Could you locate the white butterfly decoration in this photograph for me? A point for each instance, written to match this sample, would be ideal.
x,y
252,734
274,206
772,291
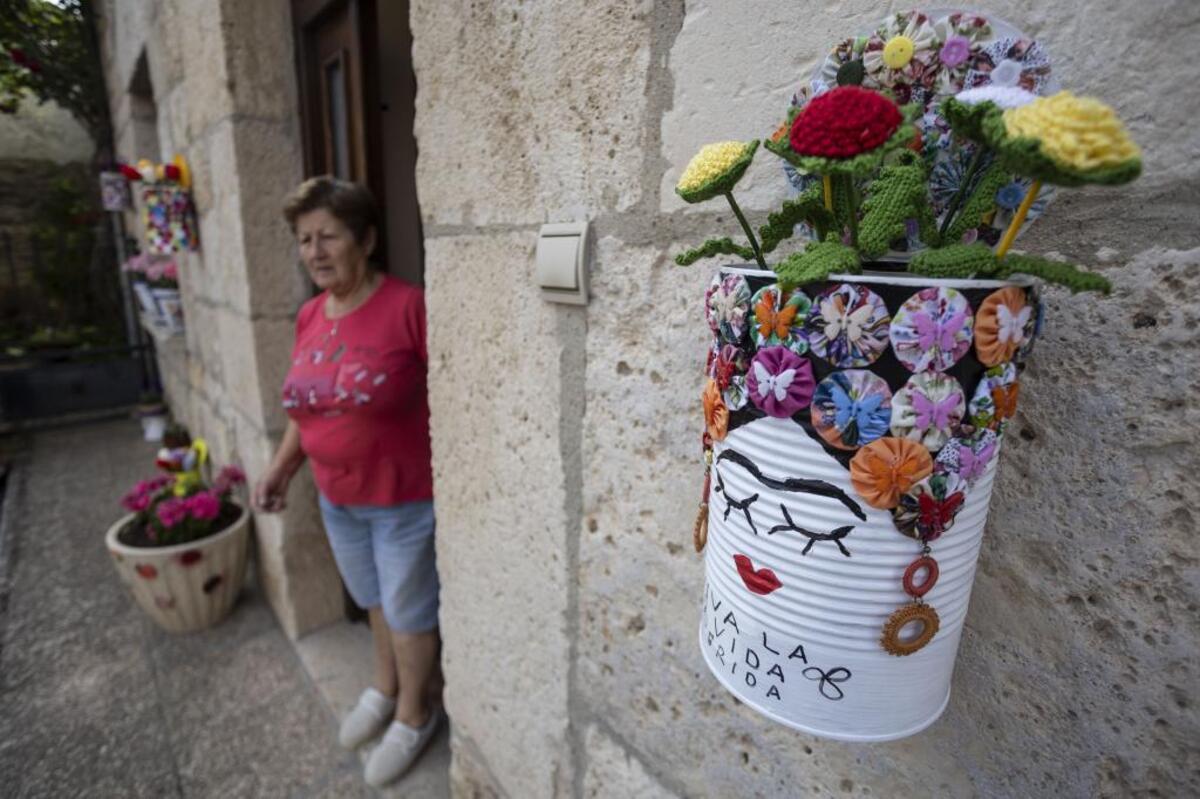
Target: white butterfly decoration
x,y
769,383
838,322
1012,326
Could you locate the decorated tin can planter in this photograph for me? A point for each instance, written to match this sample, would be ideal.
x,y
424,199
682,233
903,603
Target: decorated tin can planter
x,y
853,428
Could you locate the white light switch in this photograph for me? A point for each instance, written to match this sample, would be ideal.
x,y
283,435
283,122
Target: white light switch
x,y
562,262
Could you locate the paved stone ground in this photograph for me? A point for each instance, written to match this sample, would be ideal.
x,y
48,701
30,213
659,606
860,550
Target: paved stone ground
x,y
97,701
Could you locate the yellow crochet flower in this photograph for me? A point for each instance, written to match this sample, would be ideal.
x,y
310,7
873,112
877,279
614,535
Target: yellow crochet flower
x,y
1078,133
715,169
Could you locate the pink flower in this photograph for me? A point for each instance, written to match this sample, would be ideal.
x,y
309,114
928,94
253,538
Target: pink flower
x,y
172,512
170,271
204,506
133,501
955,51
227,478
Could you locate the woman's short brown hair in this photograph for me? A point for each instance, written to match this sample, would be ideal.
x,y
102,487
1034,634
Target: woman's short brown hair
x,y
351,203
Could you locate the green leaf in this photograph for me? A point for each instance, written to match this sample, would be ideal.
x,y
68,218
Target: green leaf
x,y
956,260
1055,272
979,202
819,260
896,196
809,207
708,249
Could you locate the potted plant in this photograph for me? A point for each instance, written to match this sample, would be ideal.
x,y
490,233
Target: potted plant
x,y
156,285
860,387
152,413
182,547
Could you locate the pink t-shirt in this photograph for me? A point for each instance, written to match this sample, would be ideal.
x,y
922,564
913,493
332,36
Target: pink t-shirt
x,y
357,390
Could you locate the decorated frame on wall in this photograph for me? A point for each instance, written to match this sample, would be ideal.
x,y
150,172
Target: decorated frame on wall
x,y
859,389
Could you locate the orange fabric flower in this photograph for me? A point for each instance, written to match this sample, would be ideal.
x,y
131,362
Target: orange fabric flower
x,y
1000,325
772,320
1005,399
888,467
716,415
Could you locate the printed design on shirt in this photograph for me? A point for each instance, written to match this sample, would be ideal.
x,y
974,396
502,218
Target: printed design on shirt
x,y
330,378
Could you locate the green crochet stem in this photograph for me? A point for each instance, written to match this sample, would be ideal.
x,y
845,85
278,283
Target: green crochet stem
x,y
819,260
746,227
896,196
980,201
1057,272
708,249
852,208
809,207
968,176
955,260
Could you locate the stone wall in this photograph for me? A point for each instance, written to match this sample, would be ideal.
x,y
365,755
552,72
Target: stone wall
x,y
566,440
214,81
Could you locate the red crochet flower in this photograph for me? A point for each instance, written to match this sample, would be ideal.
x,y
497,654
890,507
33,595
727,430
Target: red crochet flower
x,y
844,123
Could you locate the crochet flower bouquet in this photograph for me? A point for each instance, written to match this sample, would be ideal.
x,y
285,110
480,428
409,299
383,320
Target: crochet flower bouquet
x,y
860,385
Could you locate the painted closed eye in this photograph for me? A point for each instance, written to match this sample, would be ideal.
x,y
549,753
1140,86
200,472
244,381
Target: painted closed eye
x,y
741,504
835,536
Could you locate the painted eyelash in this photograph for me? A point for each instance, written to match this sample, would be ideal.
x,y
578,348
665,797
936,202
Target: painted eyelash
x,y
741,504
835,536
818,487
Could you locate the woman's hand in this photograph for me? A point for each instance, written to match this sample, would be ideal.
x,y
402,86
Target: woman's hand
x,y
270,492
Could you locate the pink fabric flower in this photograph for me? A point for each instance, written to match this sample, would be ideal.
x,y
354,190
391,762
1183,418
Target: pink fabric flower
x,y
955,51
172,512
780,382
204,506
227,478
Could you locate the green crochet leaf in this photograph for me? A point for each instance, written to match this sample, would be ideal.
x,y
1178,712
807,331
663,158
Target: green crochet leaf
x,y
979,202
893,198
809,207
724,182
956,260
966,119
1056,272
708,249
819,260
1023,156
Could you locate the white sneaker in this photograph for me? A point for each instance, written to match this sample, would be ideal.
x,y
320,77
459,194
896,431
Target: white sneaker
x,y
366,719
399,748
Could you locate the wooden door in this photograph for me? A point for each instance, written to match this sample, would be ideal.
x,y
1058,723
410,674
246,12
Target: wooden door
x,y
349,100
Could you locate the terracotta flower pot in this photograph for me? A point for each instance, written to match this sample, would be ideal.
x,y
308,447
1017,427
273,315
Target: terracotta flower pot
x,y
843,533
184,587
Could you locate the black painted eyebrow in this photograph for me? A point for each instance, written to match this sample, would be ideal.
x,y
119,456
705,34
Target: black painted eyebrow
x,y
795,484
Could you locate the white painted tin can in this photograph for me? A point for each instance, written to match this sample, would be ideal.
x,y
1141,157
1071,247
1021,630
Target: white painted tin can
x,y
792,618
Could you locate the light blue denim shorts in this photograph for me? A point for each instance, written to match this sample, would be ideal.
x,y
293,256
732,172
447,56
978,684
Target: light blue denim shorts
x,y
386,557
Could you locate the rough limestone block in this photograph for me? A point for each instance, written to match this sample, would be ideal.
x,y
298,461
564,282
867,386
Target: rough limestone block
x,y
612,771
258,43
523,101
495,393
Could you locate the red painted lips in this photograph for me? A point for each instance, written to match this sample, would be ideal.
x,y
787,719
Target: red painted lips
x,y
762,581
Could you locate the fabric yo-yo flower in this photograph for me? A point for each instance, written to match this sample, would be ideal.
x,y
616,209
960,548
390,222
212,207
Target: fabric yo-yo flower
x,y
902,56
888,467
716,415
995,398
780,382
727,307
848,326
968,457
851,408
846,130
726,362
928,409
779,318
1064,140
932,329
928,509
1009,62
715,170
960,36
1000,325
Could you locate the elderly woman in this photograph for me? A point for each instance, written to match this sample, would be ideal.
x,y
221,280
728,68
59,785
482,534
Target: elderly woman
x,y
358,412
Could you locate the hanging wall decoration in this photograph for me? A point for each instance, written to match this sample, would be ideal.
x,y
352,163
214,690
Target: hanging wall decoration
x,y
168,219
114,191
860,386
